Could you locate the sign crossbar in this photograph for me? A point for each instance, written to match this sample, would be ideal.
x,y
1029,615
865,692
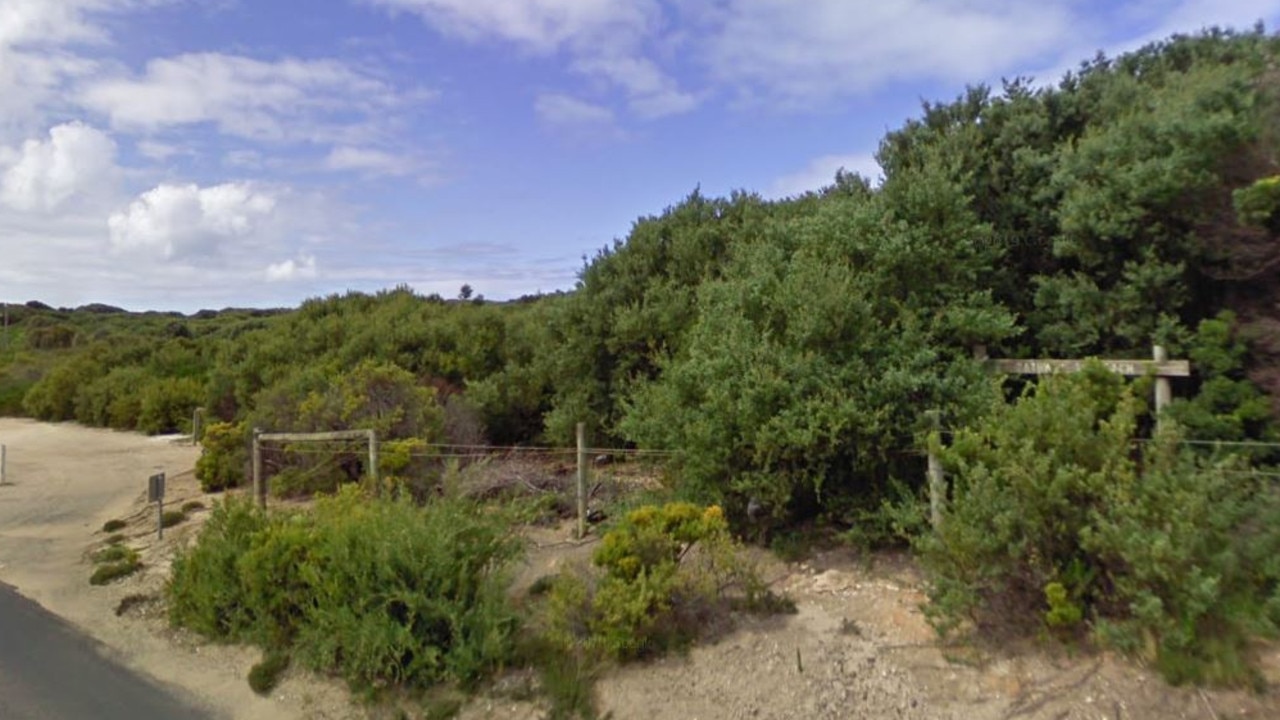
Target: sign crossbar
x,y
1131,368
1159,365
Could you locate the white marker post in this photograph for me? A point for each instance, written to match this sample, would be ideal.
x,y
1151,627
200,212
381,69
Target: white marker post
x,y
3,457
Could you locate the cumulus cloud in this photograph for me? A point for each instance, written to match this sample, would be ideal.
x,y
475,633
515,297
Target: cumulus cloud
x,y
35,64
803,52
556,109
44,174
46,22
542,25
158,151
1160,18
800,54
821,172
302,268
286,100
181,221
652,93
607,40
369,161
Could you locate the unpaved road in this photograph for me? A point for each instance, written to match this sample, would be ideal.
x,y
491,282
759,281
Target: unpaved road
x,y
858,647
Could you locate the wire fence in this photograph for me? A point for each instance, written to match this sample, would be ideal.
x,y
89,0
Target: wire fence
x,y
562,482
493,470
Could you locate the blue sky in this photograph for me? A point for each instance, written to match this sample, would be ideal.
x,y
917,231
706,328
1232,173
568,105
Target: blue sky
x,y
181,154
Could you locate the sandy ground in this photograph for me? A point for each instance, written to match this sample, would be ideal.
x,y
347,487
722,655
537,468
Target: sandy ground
x,y
65,482
858,647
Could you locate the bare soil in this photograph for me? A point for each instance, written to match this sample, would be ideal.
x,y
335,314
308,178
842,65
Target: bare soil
x,y
858,647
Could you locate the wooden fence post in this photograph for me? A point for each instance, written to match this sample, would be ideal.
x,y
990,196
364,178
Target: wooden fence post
x,y
259,492
582,480
373,462
937,479
1164,391
196,416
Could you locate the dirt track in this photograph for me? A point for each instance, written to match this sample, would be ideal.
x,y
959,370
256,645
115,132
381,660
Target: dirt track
x,y
858,648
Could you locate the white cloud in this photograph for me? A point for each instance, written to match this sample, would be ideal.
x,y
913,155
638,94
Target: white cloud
x,y
45,174
821,172
181,221
652,92
541,25
303,268
244,159
35,64
47,22
369,161
286,100
158,151
556,109
1161,19
607,40
801,54
176,246
813,51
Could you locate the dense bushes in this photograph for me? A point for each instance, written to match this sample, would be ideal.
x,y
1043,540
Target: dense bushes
x,y
1058,519
102,387
331,587
805,375
167,405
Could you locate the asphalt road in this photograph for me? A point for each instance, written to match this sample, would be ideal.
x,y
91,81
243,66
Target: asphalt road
x,y
51,671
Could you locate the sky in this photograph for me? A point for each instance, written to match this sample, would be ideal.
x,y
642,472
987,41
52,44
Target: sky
x,y
188,154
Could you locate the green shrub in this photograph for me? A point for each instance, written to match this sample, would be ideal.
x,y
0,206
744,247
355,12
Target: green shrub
x,y
271,578
265,675
114,525
112,400
427,608
113,553
668,572
191,506
1258,205
204,591
1063,612
665,576
298,482
644,604
169,518
223,458
329,586
568,676
167,404
116,561
1056,520
12,391
52,337
1192,553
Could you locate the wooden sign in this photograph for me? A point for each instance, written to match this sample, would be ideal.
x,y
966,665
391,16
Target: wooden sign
x,y
1159,365
1133,368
